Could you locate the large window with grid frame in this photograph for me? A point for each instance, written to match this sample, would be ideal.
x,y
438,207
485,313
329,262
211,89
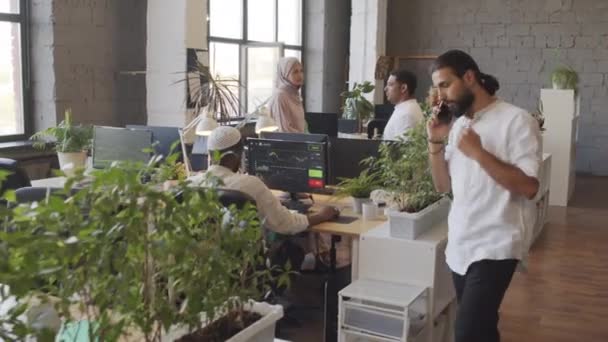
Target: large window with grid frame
x,y
13,67
246,39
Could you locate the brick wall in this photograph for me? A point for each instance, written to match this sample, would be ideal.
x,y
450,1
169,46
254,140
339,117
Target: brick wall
x,y
520,42
79,49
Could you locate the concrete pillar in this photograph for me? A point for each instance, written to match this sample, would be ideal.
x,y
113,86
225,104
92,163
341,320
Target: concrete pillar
x,y
367,42
173,27
326,55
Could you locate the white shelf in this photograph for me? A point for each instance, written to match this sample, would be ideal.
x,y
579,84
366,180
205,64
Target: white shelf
x,y
383,292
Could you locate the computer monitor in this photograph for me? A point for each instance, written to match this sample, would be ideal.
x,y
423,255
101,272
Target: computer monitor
x,y
383,111
345,156
301,137
163,137
323,123
290,166
120,144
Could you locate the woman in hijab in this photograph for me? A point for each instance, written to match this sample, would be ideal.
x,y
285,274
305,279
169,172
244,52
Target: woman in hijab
x,y
285,104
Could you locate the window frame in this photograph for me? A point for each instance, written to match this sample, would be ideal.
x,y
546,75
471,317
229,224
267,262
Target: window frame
x,y
22,18
244,42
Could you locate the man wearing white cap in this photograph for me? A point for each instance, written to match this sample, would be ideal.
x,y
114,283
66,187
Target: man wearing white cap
x,y
225,150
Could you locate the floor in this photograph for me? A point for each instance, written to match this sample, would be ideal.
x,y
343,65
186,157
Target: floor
x,y
564,295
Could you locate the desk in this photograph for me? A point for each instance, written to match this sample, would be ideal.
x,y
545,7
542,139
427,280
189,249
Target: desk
x,y
53,182
352,230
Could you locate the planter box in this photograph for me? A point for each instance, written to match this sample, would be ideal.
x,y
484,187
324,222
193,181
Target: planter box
x,y
260,331
411,225
358,204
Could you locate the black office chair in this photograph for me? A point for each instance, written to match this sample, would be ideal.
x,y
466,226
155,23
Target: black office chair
x,y
35,194
375,124
230,197
17,178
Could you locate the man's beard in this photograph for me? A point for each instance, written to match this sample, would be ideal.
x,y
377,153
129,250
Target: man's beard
x,y
462,105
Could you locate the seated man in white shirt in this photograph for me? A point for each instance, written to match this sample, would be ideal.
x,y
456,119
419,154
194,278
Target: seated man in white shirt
x,y
225,144
400,89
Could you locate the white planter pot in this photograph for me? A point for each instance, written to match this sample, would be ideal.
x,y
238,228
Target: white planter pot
x,y
260,331
411,225
358,204
70,161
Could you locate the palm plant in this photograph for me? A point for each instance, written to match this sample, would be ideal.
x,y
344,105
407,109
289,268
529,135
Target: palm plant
x,y
219,96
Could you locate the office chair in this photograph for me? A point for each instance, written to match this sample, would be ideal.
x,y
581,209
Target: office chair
x,y
18,177
30,194
234,197
374,124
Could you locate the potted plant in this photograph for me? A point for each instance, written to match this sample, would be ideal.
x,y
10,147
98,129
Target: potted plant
x,y
356,106
129,260
214,96
413,204
71,143
564,77
359,188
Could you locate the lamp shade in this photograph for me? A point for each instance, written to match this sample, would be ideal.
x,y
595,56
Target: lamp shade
x,y
265,124
205,126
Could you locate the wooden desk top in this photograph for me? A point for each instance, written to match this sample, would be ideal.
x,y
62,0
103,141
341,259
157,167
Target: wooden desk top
x,y
352,229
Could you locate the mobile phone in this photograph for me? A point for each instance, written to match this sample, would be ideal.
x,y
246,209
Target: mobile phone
x,y
445,114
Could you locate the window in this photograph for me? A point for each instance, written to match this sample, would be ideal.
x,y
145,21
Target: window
x,y
246,39
13,123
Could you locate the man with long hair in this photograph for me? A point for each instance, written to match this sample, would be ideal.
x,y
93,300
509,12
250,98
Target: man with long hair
x,y
487,152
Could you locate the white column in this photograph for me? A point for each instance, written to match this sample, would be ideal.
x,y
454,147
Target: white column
x,y
367,42
173,26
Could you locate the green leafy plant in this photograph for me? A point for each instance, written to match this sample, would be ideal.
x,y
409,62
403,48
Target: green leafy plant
x,y
359,187
564,77
404,170
66,136
356,106
171,169
134,259
539,116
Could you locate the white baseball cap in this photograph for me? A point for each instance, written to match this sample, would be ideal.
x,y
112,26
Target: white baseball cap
x,y
223,137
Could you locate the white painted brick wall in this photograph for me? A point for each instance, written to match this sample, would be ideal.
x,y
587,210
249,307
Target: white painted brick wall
x,y
517,42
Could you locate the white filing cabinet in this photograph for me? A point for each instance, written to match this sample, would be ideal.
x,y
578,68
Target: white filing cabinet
x,y
417,264
561,111
373,310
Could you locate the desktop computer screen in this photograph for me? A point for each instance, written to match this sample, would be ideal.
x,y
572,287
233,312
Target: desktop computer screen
x,y
163,137
345,156
290,166
120,144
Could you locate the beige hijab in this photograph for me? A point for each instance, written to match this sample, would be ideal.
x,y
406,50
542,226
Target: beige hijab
x,y
285,104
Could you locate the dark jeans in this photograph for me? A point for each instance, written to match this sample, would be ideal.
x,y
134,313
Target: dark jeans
x,y
479,293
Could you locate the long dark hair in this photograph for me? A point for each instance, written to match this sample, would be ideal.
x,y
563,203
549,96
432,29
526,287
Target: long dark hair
x,y
460,62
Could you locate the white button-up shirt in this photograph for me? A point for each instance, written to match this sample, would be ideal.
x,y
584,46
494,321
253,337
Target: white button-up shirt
x,y
406,115
274,215
487,221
